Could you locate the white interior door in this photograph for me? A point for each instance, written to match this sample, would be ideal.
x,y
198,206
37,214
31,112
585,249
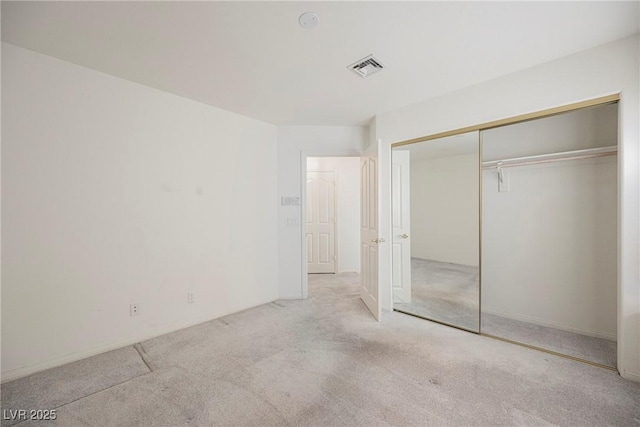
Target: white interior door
x,y
401,245
321,222
369,239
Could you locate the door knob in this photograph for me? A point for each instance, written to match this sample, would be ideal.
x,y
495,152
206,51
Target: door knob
x,y
405,236
380,240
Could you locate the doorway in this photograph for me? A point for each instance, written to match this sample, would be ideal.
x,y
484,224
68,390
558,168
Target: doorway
x,y
332,215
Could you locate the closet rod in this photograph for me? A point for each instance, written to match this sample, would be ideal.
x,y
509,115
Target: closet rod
x,y
553,157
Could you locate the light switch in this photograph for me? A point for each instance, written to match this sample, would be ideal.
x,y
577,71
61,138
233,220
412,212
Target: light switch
x,y
290,201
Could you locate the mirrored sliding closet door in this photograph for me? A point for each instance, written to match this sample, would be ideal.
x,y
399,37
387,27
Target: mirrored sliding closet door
x,y
545,242
435,248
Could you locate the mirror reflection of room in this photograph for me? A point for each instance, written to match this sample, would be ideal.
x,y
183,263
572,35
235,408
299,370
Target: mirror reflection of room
x,y
435,191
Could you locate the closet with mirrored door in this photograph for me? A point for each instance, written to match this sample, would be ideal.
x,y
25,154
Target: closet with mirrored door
x,y
510,230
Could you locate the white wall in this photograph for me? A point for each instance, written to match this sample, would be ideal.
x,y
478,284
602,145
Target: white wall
x,y
578,130
347,174
116,193
294,143
549,244
444,209
604,70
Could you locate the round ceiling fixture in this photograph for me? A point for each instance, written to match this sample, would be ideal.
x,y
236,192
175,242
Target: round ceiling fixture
x,y
308,20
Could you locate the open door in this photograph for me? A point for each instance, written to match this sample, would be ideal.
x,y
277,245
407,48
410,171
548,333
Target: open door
x,y
401,217
369,239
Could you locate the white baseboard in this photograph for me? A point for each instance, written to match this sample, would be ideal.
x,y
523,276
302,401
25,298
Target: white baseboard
x,y
291,297
543,322
17,373
630,375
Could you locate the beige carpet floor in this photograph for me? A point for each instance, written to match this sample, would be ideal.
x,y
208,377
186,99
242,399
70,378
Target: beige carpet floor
x,y
449,293
444,292
593,349
325,361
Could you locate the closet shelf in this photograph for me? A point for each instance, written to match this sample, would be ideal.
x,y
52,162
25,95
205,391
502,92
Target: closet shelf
x,y
552,157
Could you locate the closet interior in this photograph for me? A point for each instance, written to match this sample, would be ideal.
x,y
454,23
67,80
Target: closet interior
x,y
511,232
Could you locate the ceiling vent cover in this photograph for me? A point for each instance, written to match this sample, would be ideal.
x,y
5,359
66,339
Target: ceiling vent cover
x,y
367,66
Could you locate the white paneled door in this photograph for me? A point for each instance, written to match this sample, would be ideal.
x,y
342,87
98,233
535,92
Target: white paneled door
x,y
401,244
369,239
321,222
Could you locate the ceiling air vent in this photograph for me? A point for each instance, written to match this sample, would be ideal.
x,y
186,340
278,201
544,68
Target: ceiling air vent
x,y
367,66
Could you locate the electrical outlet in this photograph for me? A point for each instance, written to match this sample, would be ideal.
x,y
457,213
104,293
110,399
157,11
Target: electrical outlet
x,y
191,297
134,310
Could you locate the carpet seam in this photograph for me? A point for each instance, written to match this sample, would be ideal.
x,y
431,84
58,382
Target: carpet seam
x,y
138,347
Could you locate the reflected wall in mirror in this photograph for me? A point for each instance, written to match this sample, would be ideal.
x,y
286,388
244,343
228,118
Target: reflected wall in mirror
x,y
435,248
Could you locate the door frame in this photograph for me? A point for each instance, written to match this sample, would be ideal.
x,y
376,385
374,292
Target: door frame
x,y
304,280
